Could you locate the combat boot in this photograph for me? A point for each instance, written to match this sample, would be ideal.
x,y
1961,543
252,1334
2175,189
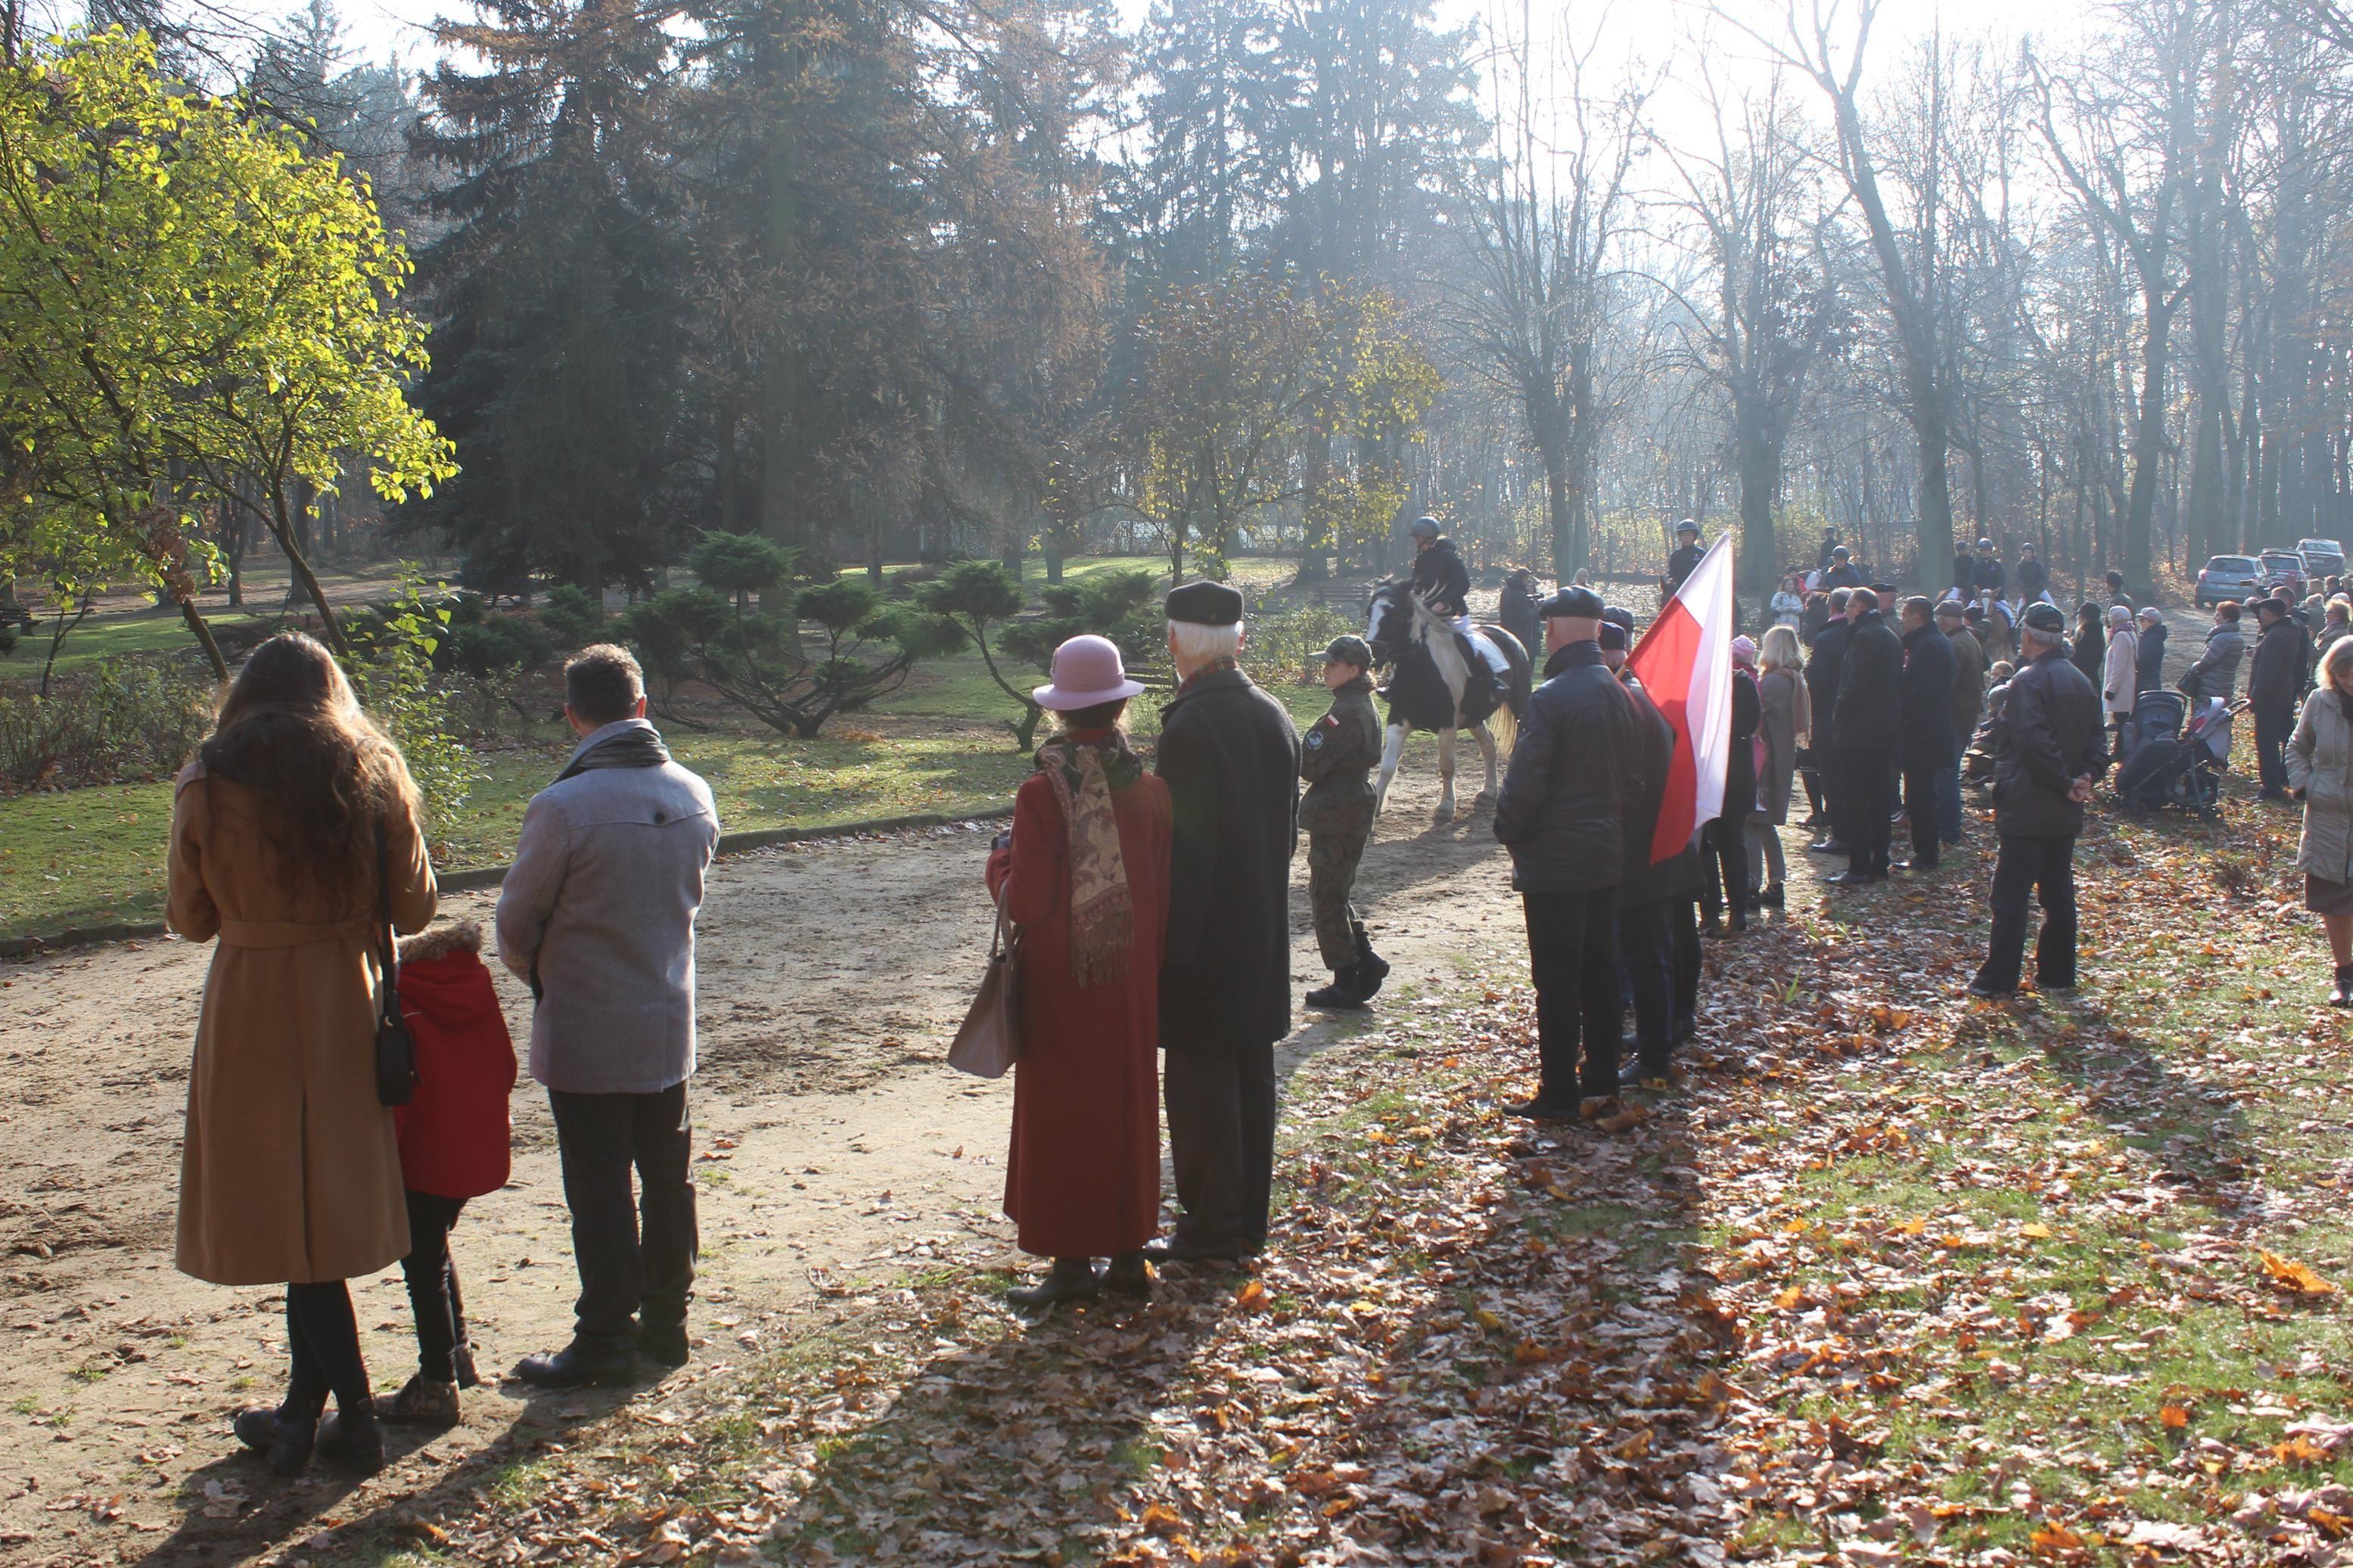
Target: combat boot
x,y
1343,992
1371,967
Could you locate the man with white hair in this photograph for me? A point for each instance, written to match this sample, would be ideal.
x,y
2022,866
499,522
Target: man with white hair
x,y
1229,756
2120,681
2047,754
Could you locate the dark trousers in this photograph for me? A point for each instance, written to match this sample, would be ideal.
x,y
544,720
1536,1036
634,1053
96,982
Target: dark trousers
x,y
325,1340
1865,797
1922,801
1221,1143
1646,951
2025,865
1573,958
2272,727
1948,801
1724,853
1816,804
634,1256
432,1278
1682,921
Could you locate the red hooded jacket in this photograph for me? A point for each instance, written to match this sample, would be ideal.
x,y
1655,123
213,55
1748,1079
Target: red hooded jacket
x,y
455,1130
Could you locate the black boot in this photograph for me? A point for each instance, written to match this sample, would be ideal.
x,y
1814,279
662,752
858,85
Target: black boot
x,y
1371,967
1128,1275
352,1440
282,1438
1071,1279
2342,996
1343,992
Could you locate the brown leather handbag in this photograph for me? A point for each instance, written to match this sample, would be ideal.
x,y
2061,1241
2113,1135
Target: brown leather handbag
x,y
991,1039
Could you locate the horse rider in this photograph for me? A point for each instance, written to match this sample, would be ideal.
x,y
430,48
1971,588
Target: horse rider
x,y
1685,560
1439,578
1337,758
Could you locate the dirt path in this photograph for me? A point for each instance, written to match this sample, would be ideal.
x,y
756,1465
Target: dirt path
x,y
833,1145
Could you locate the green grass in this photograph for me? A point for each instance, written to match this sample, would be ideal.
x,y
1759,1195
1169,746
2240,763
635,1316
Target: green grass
x,y
97,857
148,632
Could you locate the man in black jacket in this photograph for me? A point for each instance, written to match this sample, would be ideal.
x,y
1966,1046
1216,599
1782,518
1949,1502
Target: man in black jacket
x,y
1928,724
1685,559
1868,716
1821,693
2274,687
2033,576
2150,658
1986,574
1650,897
1230,758
1576,775
1440,577
2048,752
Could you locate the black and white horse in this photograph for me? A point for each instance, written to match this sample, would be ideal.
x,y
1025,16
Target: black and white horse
x,y
1436,683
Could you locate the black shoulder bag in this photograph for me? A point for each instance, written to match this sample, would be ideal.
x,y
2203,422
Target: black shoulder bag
x,y
396,1053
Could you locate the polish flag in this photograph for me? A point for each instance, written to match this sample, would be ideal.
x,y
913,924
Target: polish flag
x,y
1684,662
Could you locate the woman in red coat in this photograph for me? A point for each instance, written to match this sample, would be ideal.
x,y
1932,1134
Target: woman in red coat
x,y
1085,876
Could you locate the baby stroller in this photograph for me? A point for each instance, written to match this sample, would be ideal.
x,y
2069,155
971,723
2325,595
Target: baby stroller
x,y
2165,764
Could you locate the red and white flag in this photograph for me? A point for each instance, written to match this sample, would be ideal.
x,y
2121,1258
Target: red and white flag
x,y
1684,662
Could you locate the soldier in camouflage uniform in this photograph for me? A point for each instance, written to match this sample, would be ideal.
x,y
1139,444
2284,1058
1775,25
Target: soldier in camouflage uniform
x,y
1337,759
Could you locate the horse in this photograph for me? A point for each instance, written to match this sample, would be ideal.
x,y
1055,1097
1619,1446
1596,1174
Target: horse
x,y
1431,688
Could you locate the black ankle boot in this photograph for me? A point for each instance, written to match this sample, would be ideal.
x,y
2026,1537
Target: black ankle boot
x,y
283,1439
1345,990
1128,1275
2342,996
1371,967
1071,1279
352,1440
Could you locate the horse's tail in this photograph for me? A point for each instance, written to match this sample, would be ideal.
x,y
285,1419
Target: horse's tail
x,y
1503,725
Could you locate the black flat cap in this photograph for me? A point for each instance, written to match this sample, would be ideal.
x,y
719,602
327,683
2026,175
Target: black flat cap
x,y
2045,618
1581,603
1620,616
1205,605
1613,635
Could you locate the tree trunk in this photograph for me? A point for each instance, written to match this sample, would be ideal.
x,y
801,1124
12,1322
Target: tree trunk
x,y
1760,476
203,634
2148,442
282,528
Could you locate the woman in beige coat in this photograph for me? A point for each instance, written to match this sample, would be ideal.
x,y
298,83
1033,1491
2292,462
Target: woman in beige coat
x,y
2320,774
290,1174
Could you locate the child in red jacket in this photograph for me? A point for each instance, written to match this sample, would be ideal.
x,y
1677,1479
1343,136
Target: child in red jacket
x,y
454,1136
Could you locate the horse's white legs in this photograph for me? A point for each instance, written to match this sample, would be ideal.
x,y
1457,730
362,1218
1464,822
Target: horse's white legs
x,y
1391,750
1445,812
1487,749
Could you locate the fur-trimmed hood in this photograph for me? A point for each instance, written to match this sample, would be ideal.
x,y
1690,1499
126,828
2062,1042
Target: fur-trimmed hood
x,y
443,941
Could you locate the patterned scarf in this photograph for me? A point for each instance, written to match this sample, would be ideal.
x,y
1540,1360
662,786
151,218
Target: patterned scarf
x,y
1103,916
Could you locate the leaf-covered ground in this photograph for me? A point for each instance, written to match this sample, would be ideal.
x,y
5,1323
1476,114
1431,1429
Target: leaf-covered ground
x,y
1894,1276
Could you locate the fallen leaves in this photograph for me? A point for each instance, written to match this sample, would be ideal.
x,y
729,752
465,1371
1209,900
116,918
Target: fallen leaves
x,y
2287,1275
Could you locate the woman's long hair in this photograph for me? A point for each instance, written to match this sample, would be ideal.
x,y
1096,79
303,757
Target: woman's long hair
x,y
291,731
1779,650
2337,667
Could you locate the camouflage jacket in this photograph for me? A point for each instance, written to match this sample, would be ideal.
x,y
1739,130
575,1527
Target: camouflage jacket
x,y
1337,758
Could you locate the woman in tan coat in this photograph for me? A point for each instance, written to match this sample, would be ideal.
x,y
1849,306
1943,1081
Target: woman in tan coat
x,y
290,1173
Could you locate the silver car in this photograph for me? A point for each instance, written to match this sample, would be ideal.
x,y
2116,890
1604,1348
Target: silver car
x,y
2231,577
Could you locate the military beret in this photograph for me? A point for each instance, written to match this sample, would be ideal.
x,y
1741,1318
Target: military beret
x,y
1576,601
1620,616
1205,605
1613,635
2042,617
1347,649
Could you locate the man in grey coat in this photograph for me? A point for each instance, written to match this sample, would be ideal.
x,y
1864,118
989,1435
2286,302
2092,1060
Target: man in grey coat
x,y
598,916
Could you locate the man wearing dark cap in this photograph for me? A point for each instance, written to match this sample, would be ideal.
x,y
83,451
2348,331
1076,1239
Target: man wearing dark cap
x,y
1337,759
1822,671
1842,573
2276,678
2048,752
1867,714
1230,759
1654,901
1575,775
1986,574
1926,723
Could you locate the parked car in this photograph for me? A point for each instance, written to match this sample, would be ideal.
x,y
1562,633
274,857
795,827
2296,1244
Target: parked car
x,y
2284,568
2322,558
2230,577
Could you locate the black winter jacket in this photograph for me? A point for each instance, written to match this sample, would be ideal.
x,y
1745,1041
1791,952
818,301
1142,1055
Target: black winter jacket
x,y
2150,660
1870,691
1640,882
1740,762
1927,688
2033,578
2049,733
2282,657
1822,674
1441,579
1577,774
1229,756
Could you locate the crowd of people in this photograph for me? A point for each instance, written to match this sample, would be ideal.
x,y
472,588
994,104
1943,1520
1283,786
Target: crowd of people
x,y
348,1096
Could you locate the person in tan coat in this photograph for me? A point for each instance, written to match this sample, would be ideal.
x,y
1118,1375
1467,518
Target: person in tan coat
x,y
291,1172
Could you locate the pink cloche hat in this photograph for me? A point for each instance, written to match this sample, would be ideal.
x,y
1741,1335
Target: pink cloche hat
x,y
1087,670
